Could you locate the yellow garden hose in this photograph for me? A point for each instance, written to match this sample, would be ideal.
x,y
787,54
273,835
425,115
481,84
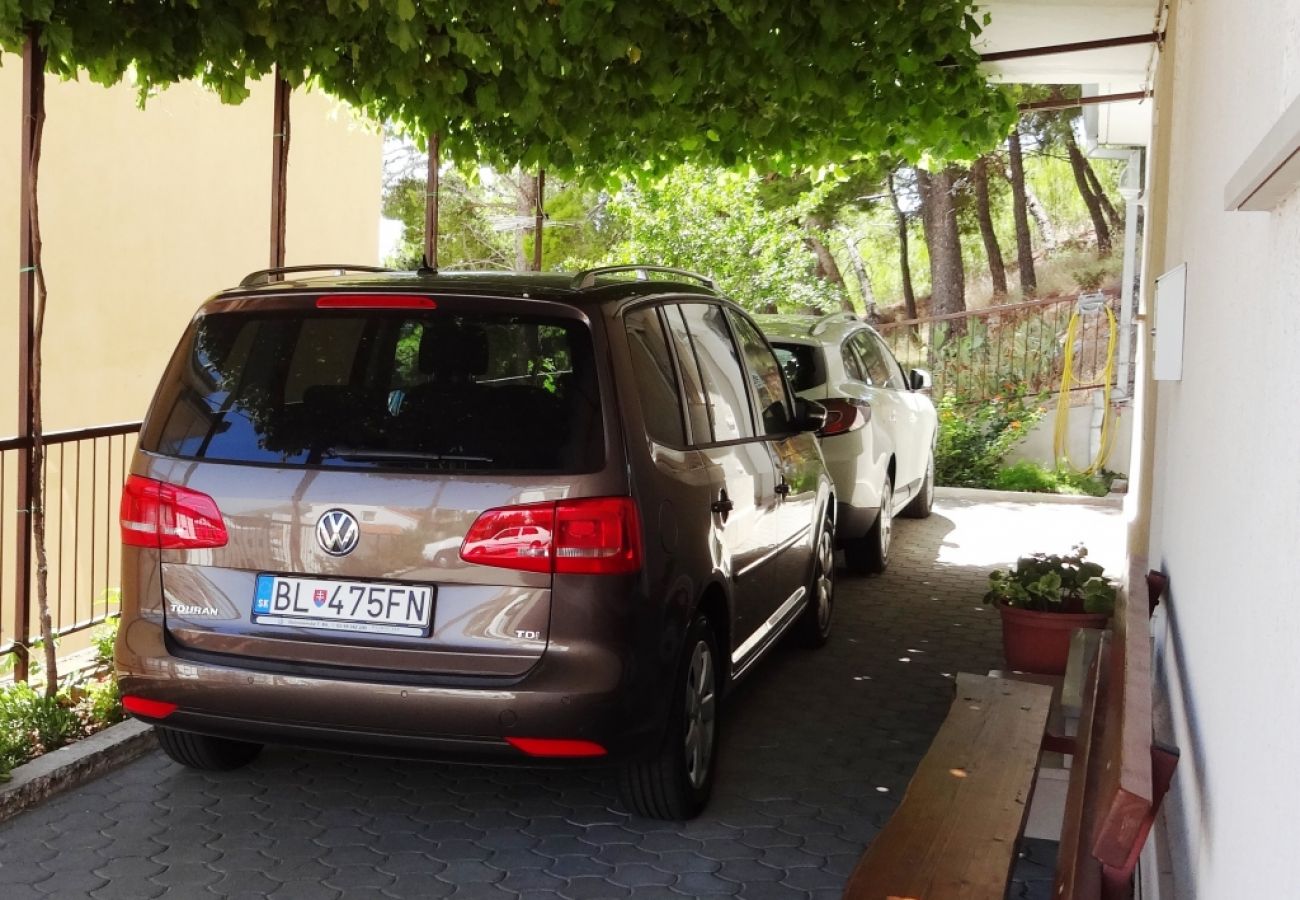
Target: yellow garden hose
x,y
1088,303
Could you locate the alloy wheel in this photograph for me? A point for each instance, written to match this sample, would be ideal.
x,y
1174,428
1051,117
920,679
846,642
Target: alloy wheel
x,y
700,715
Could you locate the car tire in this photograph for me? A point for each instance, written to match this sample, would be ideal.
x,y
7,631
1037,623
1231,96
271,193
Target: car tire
x,y
675,782
923,502
814,626
869,555
201,751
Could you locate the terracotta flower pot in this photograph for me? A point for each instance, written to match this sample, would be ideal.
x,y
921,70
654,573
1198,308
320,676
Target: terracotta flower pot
x,y
1039,642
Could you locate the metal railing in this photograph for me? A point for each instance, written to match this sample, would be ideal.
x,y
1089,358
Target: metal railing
x,y
977,355
84,471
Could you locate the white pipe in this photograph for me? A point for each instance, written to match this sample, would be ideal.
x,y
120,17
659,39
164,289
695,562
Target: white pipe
x,y
1098,422
1131,191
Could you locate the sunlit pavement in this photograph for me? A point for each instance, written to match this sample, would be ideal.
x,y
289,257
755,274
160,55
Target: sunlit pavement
x,y
817,749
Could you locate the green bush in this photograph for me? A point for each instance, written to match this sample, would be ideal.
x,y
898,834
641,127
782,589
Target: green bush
x,y
1051,583
1030,476
103,638
33,724
974,438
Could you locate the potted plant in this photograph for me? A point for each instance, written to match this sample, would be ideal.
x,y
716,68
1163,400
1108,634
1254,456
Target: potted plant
x,y
1042,600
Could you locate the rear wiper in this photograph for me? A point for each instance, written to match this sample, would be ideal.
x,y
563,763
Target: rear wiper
x,y
355,454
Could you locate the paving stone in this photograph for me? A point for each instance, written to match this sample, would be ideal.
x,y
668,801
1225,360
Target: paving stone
x,y
806,742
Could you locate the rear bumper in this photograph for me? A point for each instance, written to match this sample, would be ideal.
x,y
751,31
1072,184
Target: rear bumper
x,y
568,695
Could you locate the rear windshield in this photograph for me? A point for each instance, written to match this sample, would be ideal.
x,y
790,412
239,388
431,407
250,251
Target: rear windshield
x,y
432,390
800,363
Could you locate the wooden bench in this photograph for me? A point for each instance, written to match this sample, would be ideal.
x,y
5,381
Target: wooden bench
x,y
955,834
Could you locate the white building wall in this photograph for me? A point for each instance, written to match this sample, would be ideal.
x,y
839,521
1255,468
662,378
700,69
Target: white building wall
x,y
1226,510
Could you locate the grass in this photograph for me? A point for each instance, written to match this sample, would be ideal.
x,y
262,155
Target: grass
x,y
1030,476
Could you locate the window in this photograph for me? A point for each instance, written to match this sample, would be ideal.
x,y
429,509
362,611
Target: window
x,y
721,371
697,407
431,391
655,382
869,352
800,363
896,380
765,377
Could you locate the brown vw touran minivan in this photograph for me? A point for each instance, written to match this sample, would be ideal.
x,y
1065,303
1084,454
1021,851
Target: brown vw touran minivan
x,y
492,518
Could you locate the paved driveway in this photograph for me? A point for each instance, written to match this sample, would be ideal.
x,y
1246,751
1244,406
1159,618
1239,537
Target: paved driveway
x,y
817,749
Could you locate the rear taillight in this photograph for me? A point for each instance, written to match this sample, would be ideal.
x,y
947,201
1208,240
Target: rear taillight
x,y
844,415
592,536
169,517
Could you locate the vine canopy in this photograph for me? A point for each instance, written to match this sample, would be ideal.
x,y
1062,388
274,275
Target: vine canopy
x,y
613,85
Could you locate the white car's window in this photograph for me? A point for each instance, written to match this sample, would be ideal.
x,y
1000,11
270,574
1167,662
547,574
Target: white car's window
x,y
896,378
869,351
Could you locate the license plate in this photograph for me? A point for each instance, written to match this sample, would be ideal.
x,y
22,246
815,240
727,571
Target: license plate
x,y
358,606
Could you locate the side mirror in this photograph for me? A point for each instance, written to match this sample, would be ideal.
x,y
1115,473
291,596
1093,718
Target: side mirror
x,y
920,380
809,415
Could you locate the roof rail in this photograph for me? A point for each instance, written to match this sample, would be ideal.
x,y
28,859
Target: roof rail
x,y
266,276
587,277
827,321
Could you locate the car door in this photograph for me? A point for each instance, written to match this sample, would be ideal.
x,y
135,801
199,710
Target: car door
x,y
910,427
743,476
795,455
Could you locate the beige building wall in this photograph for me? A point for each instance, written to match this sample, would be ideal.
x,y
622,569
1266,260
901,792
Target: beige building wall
x,y
146,213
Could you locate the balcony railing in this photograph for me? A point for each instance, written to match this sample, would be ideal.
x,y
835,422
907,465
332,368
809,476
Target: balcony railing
x,y
984,353
83,478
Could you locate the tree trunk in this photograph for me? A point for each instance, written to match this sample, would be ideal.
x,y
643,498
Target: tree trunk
x,y
1080,165
997,269
939,218
34,381
1112,214
860,272
904,266
827,268
1019,209
525,209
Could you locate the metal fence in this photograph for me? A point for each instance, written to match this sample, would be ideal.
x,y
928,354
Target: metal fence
x,y
83,479
977,355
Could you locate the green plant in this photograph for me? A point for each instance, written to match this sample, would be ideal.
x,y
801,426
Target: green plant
x,y
1030,476
103,638
32,724
973,438
102,705
1052,583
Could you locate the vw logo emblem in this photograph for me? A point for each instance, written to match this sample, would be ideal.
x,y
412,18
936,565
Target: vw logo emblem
x,y
337,532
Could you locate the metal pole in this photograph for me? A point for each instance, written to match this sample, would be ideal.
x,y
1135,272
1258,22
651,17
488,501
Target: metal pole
x,y
33,98
1084,101
279,169
1154,37
1131,190
537,220
431,198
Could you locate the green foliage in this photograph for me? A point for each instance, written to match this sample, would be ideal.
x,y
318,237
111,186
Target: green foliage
x,y
32,724
103,638
1051,583
102,705
1030,476
974,438
596,83
717,223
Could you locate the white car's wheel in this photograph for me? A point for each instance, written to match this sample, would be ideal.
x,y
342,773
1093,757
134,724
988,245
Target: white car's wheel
x,y
868,555
923,502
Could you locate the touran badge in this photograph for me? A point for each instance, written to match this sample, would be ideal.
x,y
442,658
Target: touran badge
x,y
337,532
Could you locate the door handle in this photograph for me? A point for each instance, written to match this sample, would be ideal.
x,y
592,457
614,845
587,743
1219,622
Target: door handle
x,y
723,504
783,488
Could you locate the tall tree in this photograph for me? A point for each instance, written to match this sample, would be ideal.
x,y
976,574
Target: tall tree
x,y
1112,215
827,268
1079,164
942,236
860,272
997,269
1020,215
904,265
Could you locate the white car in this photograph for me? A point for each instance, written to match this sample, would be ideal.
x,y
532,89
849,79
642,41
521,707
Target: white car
x,y
879,438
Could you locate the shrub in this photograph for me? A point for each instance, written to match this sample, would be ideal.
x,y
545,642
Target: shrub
x,y
973,439
33,724
103,638
1030,476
